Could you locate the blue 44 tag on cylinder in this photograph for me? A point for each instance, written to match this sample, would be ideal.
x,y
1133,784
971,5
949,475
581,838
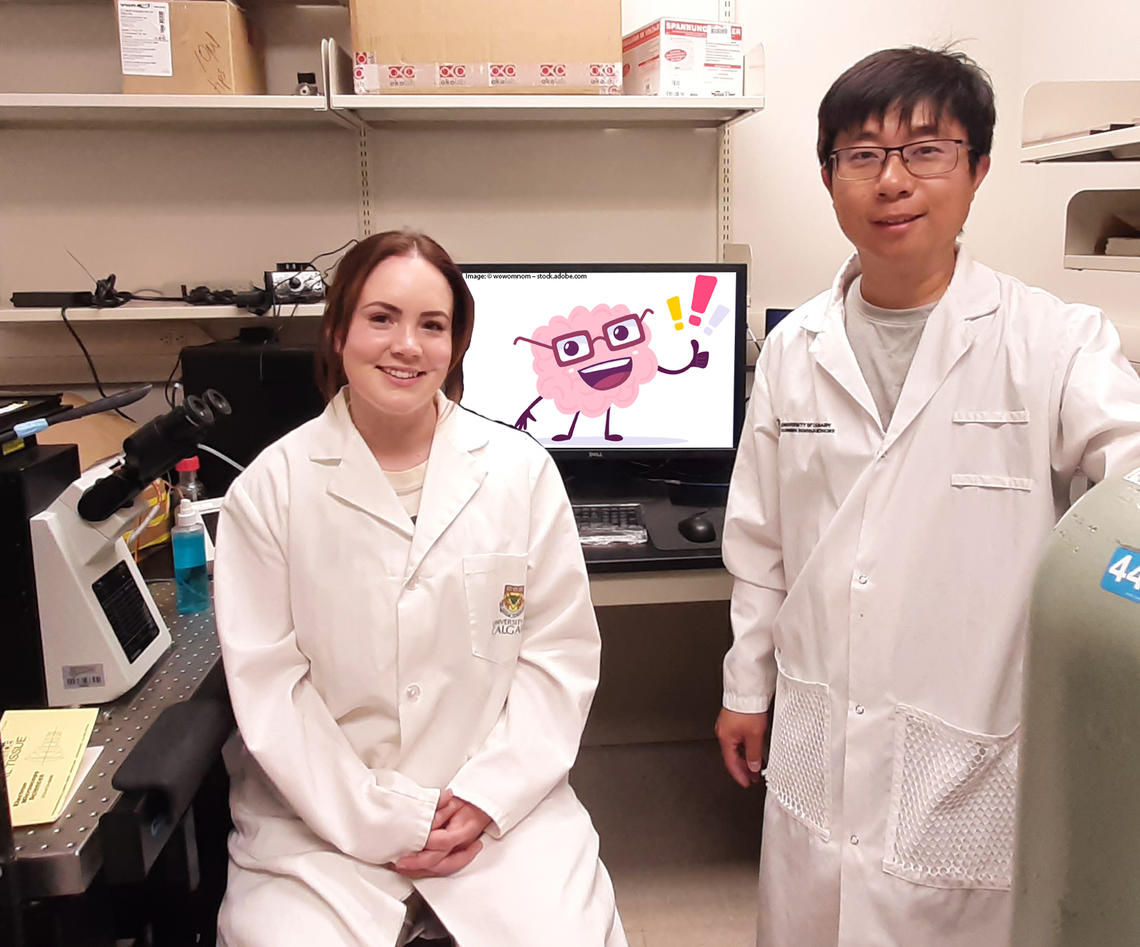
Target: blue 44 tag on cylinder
x,y
1122,577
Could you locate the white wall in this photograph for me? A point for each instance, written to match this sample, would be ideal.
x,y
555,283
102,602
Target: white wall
x,y
1017,225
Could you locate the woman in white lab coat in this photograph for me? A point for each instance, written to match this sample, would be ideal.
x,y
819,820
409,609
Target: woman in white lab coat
x,y
410,648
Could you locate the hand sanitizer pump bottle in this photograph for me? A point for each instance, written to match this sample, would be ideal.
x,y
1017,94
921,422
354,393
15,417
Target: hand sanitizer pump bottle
x,y
192,584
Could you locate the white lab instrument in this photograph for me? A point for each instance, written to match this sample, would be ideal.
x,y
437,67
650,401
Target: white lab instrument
x,y
99,626
1077,868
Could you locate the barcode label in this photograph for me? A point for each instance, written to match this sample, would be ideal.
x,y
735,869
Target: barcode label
x,y
144,40
83,675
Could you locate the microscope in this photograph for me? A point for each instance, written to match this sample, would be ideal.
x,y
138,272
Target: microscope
x,y
80,626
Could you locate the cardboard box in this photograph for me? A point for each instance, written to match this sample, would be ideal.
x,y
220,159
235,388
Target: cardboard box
x,y
486,46
675,57
188,47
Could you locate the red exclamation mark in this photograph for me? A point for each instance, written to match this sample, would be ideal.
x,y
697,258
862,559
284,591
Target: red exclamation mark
x,y
702,292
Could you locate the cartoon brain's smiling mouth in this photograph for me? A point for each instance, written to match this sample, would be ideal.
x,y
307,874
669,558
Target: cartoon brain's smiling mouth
x,y
606,375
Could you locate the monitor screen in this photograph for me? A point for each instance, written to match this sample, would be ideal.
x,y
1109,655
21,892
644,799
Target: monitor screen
x,y
617,357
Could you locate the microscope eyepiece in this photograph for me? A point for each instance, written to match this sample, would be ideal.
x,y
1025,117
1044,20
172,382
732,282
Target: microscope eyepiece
x,y
151,450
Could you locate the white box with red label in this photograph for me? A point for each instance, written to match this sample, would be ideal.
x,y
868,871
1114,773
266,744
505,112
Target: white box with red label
x,y
679,57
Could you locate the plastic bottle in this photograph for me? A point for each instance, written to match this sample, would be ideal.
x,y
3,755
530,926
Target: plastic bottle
x,y
189,486
192,584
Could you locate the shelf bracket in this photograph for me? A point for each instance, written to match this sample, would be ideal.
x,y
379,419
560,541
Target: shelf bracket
x,y
364,206
723,190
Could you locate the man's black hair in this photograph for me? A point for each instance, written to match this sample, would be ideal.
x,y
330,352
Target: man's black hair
x,y
951,83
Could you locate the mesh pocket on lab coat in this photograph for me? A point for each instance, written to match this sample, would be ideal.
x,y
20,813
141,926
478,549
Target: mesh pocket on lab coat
x,y
953,799
798,760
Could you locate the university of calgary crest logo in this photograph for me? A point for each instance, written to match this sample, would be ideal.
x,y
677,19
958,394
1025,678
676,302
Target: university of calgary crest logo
x,y
512,603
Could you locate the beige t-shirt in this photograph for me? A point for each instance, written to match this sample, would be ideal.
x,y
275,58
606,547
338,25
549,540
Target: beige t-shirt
x,y
884,342
409,484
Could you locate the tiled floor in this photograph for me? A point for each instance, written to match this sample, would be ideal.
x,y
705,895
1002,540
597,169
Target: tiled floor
x,y
710,905
680,840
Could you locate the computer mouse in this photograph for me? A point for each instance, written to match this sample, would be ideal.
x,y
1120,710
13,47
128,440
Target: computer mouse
x,y
697,528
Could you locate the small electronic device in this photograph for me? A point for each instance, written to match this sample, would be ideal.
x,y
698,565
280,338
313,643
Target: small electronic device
x,y
294,283
697,528
306,83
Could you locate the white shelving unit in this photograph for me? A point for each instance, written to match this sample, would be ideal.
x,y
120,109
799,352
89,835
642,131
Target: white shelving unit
x,y
360,125
1096,124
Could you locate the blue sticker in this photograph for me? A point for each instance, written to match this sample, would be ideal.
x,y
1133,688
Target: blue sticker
x,y
1122,577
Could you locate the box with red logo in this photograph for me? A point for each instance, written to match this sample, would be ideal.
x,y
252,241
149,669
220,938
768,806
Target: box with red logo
x,y
683,58
486,46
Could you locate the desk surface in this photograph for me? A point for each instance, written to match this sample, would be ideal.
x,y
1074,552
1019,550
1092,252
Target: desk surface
x,y
63,857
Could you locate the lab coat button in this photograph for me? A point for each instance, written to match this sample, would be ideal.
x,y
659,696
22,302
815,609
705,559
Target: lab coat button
x,y
861,579
859,708
854,839
413,692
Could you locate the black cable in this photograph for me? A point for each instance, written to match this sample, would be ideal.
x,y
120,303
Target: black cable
x,y
170,379
90,364
343,246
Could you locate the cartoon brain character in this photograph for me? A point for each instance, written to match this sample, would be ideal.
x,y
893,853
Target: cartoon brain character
x,y
595,360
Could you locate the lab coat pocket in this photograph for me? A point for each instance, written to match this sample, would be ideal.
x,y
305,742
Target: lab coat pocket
x,y
799,757
991,449
495,586
953,797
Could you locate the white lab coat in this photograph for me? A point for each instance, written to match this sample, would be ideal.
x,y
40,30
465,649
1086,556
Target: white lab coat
x,y
881,594
371,664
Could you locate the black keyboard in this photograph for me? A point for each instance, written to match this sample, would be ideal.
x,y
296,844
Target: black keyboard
x,y
610,523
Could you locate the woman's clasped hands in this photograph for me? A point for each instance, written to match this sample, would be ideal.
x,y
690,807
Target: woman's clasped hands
x,y
452,842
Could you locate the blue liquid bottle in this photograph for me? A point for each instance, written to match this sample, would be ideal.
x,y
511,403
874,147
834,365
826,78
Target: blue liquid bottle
x,y
192,584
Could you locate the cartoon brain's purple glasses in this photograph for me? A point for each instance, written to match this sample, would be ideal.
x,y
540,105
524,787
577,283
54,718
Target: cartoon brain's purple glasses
x,y
574,347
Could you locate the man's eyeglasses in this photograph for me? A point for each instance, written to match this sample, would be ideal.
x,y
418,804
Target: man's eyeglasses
x,y
923,159
576,347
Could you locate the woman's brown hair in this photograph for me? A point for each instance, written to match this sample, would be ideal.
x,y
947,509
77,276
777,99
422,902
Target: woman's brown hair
x,y
344,294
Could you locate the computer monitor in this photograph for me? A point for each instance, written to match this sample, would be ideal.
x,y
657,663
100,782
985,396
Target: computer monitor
x,y
630,360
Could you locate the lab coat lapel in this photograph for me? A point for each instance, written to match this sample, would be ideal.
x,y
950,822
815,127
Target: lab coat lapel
x,y
830,347
972,295
454,474
358,478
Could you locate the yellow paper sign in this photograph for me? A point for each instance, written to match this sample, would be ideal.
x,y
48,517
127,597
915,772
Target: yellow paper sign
x,y
42,753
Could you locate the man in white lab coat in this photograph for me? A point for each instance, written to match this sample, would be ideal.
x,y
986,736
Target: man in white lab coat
x,y
910,441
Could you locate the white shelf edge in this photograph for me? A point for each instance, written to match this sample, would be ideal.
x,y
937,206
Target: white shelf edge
x,y
133,312
122,99
1080,145
566,108
113,108
1099,261
32,107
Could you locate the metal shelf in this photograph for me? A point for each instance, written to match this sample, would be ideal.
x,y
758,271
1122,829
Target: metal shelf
x,y
608,110
80,110
155,312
